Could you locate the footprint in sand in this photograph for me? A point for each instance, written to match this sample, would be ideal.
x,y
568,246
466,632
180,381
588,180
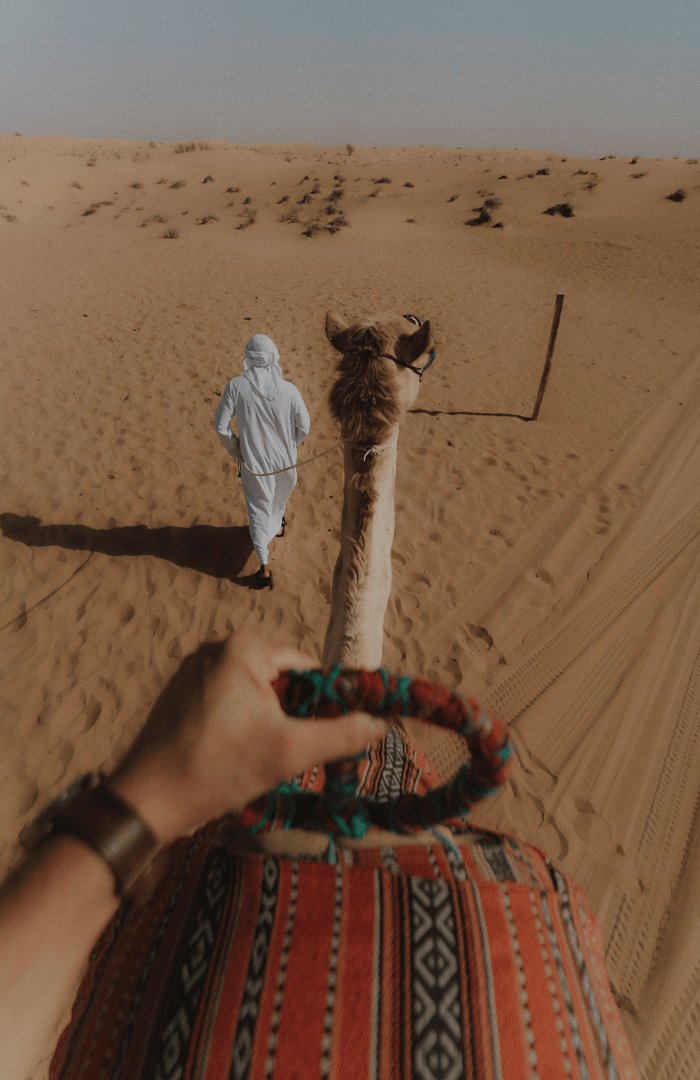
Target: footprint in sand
x,y
128,612
481,637
89,715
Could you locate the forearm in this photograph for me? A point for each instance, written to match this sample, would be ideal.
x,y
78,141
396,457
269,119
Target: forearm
x,y
51,913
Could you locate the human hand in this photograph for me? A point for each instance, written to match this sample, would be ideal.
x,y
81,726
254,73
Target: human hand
x,y
217,737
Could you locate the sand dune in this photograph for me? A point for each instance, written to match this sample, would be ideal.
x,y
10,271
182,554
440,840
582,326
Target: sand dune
x,y
551,568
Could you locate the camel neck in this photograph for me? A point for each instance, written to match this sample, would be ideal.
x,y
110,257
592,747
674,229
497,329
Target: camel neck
x,y
362,575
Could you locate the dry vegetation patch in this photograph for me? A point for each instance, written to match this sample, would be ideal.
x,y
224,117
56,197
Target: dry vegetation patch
x,y
564,209
249,218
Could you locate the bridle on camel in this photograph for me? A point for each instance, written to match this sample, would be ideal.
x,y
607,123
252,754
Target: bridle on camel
x,y
339,811
432,355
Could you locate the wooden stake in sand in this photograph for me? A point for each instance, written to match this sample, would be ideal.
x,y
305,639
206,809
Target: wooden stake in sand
x,y
558,305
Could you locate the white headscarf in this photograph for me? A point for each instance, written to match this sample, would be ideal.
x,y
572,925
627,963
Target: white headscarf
x,y
261,365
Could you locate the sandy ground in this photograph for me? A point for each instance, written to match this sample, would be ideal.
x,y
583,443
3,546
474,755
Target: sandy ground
x,y
552,568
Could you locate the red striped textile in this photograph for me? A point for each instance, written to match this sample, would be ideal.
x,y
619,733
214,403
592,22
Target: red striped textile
x,y
476,960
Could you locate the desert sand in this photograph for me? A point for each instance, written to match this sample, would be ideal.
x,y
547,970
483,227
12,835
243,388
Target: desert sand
x,y
550,568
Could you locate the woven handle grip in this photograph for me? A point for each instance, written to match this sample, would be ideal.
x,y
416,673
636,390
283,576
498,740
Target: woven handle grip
x,y
339,810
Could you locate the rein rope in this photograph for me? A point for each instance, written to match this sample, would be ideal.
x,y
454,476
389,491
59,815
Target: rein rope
x,y
339,810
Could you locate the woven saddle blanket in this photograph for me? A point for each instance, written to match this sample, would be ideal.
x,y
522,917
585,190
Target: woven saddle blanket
x,y
472,958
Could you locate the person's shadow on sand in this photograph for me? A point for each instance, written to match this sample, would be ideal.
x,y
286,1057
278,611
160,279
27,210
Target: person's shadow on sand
x,y
219,551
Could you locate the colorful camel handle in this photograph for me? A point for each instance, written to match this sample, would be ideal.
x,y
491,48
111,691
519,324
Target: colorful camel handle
x,y
339,811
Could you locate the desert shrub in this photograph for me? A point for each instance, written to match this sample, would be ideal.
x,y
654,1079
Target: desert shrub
x,y
692,161
208,180
137,185
284,199
580,172
311,230
153,145
249,218
75,184
339,222
247,200
497,225
638,175
206,219
9,217
491,203
338,178
232,190
409,184
157,218
453,198
162,180
564,209
178,184
590,185
304,200
542,172
373,194
410,221
94,207
169,234
336,195
290,218
350,149
633,161
315,190
679,195
382,180
185,148
503,177
483,218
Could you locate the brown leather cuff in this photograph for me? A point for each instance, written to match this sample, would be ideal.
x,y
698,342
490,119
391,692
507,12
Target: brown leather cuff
x,y
111,828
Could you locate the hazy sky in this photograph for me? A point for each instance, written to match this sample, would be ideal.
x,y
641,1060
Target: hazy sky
x,y
587,76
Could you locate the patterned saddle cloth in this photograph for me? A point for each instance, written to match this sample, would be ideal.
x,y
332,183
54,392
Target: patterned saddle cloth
x,y
474,958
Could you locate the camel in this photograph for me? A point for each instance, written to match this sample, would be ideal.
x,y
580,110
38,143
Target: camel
x,y
368,399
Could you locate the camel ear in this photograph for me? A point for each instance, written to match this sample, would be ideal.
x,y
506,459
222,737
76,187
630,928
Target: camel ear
x,y
336,330
410,346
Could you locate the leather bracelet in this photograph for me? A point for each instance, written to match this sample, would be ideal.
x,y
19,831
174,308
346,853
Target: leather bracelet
x,y
99,817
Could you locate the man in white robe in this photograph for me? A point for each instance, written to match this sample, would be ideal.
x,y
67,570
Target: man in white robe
x,y
272,420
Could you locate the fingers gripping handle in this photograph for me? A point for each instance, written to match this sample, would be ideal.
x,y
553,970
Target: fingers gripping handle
x,y
339,810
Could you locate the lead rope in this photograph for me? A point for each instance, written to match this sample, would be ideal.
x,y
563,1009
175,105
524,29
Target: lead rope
x,y
374,450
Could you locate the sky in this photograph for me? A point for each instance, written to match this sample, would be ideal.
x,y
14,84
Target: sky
x,y
589,77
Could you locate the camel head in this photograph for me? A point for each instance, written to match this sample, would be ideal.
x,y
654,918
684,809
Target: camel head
x,y
375,383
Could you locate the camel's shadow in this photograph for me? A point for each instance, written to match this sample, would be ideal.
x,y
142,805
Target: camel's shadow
x,y
218,551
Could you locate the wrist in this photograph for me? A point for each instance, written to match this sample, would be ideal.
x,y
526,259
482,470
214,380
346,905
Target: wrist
x,y
151,797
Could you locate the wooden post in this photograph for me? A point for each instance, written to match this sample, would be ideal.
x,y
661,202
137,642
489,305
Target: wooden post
x,y
558,305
